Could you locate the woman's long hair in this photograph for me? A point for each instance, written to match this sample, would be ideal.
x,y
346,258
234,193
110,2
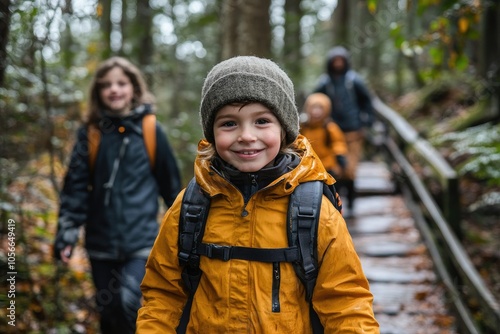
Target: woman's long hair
x,y
141,92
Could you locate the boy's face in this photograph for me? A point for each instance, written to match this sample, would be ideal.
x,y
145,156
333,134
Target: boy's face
x,y
116,91
248,137
316,113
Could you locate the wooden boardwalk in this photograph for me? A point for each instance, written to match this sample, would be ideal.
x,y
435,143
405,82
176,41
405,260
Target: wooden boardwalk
x,y
408,298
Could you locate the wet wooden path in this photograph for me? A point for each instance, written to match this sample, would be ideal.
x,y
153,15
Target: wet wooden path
x,y
408,298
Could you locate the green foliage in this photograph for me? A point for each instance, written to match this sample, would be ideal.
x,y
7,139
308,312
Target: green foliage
x,y
37,90
445,38
487,203
185,134
477,113
437,55
396,33
478,150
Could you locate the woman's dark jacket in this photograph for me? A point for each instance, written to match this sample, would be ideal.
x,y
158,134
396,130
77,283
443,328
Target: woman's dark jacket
x,y
118,200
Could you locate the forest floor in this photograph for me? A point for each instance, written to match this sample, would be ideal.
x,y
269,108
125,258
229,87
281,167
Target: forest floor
x,y
49,297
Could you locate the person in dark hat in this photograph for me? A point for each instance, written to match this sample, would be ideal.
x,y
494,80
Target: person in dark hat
x,y
249,163
351,109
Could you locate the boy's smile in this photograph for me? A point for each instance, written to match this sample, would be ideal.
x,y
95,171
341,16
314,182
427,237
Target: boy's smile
x,y
248,137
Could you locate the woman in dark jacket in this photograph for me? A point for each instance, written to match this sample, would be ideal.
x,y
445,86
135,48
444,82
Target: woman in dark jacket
x,y
114,191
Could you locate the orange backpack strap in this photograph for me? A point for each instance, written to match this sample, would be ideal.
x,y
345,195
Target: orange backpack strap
x,y
94,138
149,134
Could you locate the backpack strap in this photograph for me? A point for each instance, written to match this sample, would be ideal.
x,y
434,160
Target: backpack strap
x,y
333,196
350,84
192,220
328,137
304,210
94,138
303,216
149,135
270,255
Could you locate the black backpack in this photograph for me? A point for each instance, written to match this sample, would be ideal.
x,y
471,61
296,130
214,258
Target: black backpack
x,y
303,213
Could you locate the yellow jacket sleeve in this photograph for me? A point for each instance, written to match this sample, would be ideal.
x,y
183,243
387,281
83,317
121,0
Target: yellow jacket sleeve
x,y
339,144
341,296
162,286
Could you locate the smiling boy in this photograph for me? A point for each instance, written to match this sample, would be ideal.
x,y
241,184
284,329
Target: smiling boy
x,y
250,162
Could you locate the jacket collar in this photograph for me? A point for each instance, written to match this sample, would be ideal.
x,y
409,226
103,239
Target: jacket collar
x,y
249,183
281,179
136,113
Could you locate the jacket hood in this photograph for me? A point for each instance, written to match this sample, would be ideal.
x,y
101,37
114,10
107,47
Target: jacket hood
x,y
143,109
309,168
338,51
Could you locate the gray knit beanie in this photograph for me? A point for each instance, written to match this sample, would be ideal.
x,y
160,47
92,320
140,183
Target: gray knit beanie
x,y
248,78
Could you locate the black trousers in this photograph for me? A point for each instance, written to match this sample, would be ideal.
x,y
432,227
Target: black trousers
x,y
345,187
118,294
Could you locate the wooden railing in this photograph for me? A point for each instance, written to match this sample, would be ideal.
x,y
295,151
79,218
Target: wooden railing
x,y
408,140
475,305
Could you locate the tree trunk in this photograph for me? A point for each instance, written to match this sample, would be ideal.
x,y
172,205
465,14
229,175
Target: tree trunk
x,y
361,34
412,60
145,41
489,37
123,28
340,24
489,55
67,41
230,18
399,74
255,29
291,50
105,8
4,37
246,28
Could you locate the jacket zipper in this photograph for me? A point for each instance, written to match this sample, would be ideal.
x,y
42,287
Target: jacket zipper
x,y
276,272
116,164
276,287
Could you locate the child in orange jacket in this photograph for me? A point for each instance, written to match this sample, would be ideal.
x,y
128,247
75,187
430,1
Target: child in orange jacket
x,y
250,162
325,136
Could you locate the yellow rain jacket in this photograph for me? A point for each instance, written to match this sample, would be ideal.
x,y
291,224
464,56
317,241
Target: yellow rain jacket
x,y
327,150
235,296
325,136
